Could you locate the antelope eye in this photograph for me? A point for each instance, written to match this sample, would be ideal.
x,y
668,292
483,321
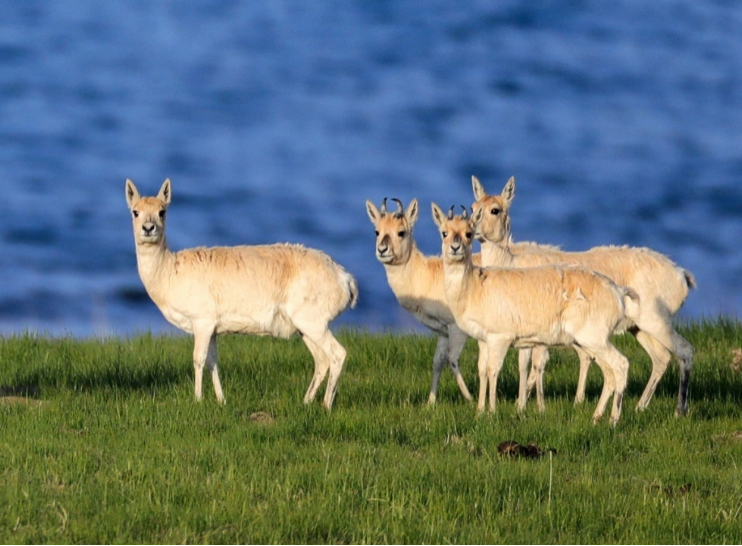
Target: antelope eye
x,y
162,214
135,213
495,212
445,234
377,232
401,234
468,235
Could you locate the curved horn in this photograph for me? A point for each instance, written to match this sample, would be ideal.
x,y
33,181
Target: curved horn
x,y
383,206
450,212
465,214
400,207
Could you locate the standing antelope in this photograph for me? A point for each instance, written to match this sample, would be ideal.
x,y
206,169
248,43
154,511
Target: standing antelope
x,y
662,287
549,305
276,290
417,282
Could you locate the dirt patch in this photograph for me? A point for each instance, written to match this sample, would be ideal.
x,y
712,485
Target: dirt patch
x,y
261,418
671,491
735,436
11,400
20,394
736,363
511,448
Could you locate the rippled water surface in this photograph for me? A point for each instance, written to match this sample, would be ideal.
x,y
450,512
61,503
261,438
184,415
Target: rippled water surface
x,y
275,121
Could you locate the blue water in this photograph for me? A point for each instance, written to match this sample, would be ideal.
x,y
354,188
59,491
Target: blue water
x,y
622,122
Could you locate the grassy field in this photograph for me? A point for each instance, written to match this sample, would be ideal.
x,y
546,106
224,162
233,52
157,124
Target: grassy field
x,y
111,448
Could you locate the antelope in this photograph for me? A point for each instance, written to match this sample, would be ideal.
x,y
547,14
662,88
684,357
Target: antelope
x,y
662,287
276,290
549,305
417,282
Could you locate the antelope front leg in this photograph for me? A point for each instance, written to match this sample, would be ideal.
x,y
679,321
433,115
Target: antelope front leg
x,y
457,340
211,362
539,358
524,357
439,362
482,371
201,342
497,348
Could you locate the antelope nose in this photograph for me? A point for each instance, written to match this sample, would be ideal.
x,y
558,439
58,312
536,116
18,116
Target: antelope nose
x,y
381,249
148,228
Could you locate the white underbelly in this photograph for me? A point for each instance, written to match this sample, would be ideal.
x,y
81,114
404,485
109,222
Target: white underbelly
x,y
179,320
473,329
544,338
262,322
275,324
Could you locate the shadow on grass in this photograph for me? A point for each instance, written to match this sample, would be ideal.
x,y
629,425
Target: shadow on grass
x,y
140,379
106,378
702,386
27,391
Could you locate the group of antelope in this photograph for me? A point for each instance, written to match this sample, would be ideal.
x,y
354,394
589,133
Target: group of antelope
x,y
523,295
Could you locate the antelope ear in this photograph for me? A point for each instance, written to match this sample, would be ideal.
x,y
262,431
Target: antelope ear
x,y
412,213
438,215
373,212
477,216
132,194
476,185
165,192
508,192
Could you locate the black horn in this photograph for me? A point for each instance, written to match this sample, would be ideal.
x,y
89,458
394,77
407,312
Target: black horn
x,y
465,215
450,212
383,206
400,207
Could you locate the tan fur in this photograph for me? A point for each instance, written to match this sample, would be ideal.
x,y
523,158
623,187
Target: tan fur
x,y
276,290
662,287
549,305
417,282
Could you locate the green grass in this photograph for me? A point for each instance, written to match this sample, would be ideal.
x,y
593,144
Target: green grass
x,y
113,448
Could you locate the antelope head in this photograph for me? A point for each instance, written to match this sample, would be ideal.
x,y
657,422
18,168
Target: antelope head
x,y
148,213
394,242
457,232
495,224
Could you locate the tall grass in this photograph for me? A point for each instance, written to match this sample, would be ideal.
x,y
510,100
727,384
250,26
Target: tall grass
x,y
112,448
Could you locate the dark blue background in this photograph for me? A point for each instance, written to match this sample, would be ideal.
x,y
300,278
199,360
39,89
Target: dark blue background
x,y
621,121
